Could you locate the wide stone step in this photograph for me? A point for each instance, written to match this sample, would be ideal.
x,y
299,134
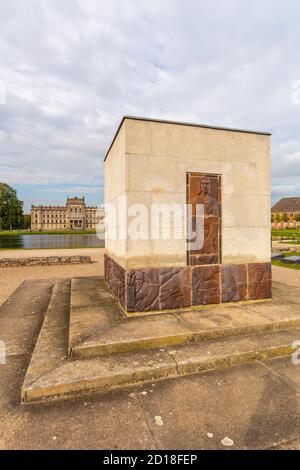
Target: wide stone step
x,y
218,337
98,327
52,343
101,374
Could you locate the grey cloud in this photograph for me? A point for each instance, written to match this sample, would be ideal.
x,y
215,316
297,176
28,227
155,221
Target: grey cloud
x,y
72,68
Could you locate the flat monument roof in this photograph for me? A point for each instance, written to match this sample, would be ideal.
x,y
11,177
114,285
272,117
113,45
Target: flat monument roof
x,y
180,123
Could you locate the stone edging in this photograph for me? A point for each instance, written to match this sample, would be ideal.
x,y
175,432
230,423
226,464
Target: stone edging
x,y
43,261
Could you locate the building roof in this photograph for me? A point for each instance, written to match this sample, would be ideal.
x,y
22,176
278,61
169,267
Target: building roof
x,y
75,200
287,204
48,207
180,123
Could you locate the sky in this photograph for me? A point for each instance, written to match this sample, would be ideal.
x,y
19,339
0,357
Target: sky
x,y
70,69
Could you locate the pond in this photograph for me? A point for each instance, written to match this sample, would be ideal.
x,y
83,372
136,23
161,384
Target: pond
x,y
51,241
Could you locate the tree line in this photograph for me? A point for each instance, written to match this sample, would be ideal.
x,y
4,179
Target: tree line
x,y
11,210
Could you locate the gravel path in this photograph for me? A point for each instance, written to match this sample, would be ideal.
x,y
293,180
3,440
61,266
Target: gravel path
x,y
11,278
287,276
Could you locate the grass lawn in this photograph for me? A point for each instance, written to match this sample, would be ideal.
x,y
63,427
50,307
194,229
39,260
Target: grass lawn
x,y
287,265
292,237
285,233
49,232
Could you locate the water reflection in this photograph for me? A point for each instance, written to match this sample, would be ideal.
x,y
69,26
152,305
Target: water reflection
x,y
51,241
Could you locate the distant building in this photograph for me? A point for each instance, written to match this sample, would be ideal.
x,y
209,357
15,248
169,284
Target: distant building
x,y
74,216
286,213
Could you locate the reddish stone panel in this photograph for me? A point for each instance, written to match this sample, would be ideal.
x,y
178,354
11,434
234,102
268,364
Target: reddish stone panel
x,y
172,288
107,269
120,283
206,285
114,275
196,260
205,190
175,288
234,282
259,281
143,290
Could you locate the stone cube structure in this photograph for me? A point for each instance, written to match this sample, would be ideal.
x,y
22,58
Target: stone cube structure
x,y
155,164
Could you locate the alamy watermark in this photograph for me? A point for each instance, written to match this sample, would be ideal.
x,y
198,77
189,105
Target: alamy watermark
x,y
2,352
295,94
123,221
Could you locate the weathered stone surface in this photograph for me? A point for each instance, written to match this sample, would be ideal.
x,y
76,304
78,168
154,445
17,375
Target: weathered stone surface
x,y
96,330
44,260
143,290
134,334
155,289
22,315
196,357
175,288
52,375
205,190
93,309
198,260
234,282
114,275
206,285
259,281
255,406
158,289
249,404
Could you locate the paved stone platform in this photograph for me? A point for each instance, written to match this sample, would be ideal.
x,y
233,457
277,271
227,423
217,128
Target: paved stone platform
x,y
99,327
146,349
257,405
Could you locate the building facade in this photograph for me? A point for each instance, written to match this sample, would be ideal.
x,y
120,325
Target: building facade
x,y
74,216
286,213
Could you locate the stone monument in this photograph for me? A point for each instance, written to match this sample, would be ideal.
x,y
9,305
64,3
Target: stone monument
x,y
219,253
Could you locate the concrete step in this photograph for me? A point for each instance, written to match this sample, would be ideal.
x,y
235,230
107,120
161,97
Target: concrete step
x,y
52,375
98,327
52,343
108,373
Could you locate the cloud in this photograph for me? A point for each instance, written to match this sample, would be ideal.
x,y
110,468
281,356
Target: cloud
x,y
76,190
72,68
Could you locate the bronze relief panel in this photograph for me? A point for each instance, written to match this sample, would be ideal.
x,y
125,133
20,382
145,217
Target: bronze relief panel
x,y
206,285
204,193
234,282
143,290
259,281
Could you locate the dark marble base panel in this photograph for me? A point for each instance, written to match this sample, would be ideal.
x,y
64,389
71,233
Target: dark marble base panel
x,y
114,275
145,290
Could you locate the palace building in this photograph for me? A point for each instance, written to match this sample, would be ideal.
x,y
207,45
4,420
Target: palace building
x,y
74,216
286,213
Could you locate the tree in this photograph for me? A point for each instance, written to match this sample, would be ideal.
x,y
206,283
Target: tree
x,y
11,208
277,219
26,221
